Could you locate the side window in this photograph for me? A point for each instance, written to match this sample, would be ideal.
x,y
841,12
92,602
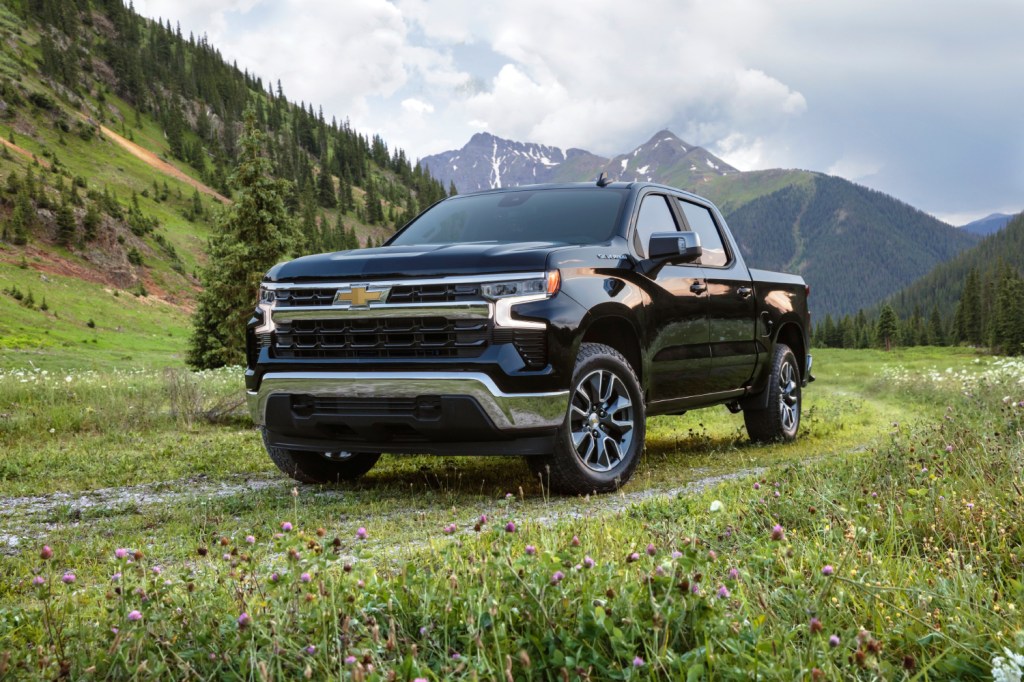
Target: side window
x,y
655,216
703,224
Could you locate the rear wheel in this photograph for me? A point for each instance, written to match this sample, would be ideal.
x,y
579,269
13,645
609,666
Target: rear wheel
x,y
320,467
780,420
598,445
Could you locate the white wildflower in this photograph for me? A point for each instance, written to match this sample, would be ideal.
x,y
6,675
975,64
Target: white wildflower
x,y
1007,669
716,506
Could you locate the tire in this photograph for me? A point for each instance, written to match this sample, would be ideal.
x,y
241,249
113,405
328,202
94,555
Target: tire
x,y
314,467
780,421
583,462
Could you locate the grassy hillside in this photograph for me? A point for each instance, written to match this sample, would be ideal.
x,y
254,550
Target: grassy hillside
x,y
111,118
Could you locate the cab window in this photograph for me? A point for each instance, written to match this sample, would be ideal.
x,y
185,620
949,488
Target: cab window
x,y
703,224
655,216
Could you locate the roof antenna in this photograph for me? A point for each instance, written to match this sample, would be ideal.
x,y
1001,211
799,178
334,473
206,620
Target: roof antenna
x,y
603,180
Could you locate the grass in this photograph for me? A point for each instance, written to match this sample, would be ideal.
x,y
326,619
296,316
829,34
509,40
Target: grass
x,y
905,482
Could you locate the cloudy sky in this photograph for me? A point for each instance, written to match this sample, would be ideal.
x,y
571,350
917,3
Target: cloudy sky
x,y
920,99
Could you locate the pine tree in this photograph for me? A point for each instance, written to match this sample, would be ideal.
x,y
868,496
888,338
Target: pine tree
x,y
253,234
65,224
970,311
888,327
91,222
325,189
936,335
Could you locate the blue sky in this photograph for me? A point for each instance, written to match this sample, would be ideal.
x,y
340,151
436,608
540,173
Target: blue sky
x,y
921,100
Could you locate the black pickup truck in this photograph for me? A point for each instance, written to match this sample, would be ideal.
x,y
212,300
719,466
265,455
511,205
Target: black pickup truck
x,y
547,321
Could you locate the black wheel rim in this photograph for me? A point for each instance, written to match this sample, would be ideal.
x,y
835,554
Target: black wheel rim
x,y
601,420
789,397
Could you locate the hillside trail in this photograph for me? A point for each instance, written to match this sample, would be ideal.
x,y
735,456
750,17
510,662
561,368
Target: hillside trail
x,y
24,152
155,162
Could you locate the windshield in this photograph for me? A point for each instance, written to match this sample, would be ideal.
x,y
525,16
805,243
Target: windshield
x,y
569,216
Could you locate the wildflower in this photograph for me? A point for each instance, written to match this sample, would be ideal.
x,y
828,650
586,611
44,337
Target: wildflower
x,y
45,553
226,556
638,662
716,505
723,592
676,554
1008,669
286,526
419,679
531,550
712,554
874,495
350,660
778,532
121,553
455,654
949,448
557,577
833,641
69,578
361,533
360,584
250,539
310,650
482,520
827,570
39,580
776,493
651,550
116,577
156,570
815,626
734,573
970,505
588,562
244,620
305,577
450,528
757,486
632,557
510,527
135,616
575,541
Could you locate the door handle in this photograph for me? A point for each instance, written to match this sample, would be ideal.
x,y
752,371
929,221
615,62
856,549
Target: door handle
x,y
698,287
744,292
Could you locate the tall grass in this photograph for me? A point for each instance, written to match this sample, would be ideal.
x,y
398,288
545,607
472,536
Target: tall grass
x,y
898,562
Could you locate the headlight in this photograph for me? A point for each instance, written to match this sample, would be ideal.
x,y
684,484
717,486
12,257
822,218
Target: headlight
x,y
510,293
544,286
266,295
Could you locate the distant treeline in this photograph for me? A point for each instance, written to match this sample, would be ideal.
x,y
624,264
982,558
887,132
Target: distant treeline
x,y
989,314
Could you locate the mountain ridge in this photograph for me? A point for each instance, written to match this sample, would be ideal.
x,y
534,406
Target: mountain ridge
x,y
807,222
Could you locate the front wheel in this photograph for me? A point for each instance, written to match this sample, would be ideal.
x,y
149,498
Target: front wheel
x,y
598,446
780,420
317,467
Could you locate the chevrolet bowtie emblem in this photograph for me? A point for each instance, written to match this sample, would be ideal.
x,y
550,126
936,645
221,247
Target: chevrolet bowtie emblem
x,y
359,296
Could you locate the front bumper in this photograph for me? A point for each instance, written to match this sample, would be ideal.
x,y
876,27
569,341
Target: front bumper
x,y
506,411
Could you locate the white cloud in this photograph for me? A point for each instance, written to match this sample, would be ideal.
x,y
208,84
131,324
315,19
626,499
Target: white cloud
x,y
925,105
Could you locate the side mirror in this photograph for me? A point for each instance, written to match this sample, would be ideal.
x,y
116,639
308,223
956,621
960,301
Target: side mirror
x,y
675,247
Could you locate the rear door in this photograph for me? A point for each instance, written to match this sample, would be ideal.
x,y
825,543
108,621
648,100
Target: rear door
x,y
731,308
677,313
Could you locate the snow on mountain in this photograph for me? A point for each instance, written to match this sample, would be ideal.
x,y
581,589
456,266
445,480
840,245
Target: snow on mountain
x,y
488,161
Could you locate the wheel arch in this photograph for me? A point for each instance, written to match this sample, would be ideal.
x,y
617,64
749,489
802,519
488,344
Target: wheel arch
x,y
618,332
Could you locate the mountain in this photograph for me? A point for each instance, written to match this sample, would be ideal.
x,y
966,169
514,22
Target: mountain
x,y
988,224
853,245
119,137
487,161
943,285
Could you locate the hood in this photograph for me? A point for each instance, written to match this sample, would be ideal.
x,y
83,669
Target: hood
x,y
425,260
